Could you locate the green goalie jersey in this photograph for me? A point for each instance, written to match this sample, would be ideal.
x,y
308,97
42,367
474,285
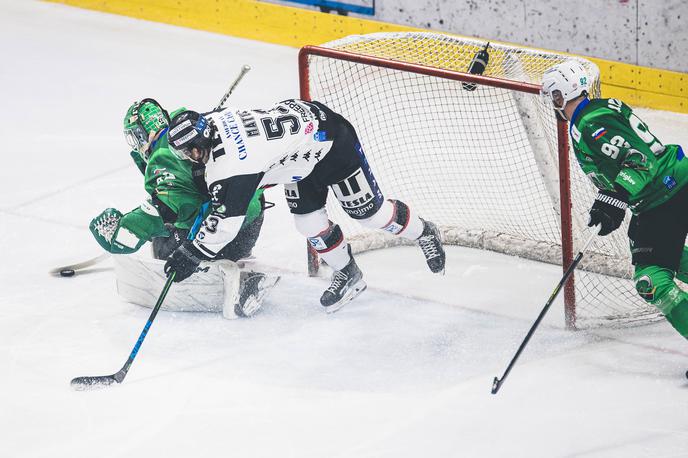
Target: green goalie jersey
x,y
175,197
617,150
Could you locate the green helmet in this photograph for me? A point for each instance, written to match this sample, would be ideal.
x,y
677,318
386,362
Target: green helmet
x,y
144,119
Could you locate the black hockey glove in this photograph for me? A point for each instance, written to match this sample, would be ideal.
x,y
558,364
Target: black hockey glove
x,y
608,210
184,261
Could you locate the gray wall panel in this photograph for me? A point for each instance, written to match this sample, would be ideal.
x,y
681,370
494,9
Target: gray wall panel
x,y
663,37
651,33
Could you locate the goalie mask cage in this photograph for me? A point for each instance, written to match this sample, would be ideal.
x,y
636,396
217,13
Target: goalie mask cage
x,y
488,162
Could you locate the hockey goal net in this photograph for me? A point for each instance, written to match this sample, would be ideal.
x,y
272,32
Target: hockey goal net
x,y
491,166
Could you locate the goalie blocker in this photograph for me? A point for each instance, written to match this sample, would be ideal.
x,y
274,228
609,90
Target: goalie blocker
x,y
218,286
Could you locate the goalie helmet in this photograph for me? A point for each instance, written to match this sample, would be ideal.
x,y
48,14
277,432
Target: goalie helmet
x,y
565,82
189,130
143,120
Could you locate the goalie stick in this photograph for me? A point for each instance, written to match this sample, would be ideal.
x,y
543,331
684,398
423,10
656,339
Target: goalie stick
x,y
497,382
70,270
96,381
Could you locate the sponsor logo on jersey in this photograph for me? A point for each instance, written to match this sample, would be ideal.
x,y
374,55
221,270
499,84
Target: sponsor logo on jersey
x,y
669,182
599,133
164,176
297,107
626,177
291,191
362,211
355,194
249,123
318,243
215,191
393,228
231,130
309,128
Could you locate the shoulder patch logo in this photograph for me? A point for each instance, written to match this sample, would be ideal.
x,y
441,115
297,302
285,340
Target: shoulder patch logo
x,y
215,191
599,133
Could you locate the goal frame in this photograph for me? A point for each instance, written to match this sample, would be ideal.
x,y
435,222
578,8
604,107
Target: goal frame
x,y
565,211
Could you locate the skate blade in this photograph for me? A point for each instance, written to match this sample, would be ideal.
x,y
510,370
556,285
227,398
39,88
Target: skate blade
x,y
350,295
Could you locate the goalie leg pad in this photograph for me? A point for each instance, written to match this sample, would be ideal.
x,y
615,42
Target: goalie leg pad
x,y
231,280
140,280
656,286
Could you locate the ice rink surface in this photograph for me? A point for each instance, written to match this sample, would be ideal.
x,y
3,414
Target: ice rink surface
x,y
405,371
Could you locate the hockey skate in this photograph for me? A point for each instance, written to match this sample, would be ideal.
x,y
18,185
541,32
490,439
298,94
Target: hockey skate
x,y
346,285
254,287
431,244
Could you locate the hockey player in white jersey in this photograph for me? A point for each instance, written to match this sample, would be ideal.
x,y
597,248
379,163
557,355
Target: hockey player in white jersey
x,y
308,148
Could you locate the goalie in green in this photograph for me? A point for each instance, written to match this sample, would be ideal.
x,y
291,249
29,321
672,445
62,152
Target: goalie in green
x,y
631,168
177,196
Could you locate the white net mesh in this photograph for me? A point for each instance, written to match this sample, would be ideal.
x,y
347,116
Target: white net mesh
x,y
481,164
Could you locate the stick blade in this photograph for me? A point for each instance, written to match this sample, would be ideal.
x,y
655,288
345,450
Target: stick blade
x,y
496,383
94,382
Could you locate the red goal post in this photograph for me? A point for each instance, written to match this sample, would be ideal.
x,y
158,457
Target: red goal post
x,y
347,74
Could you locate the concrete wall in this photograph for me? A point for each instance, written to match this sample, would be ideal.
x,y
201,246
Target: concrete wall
x,y
297,26
651,33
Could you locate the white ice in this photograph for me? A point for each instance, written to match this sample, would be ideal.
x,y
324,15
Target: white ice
x,y
405,371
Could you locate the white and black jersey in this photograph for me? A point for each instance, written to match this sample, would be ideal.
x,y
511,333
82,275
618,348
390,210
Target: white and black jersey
x,y
253,149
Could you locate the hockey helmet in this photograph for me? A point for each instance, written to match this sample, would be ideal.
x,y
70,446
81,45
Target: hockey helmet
x,y
189,130
143,120
565,82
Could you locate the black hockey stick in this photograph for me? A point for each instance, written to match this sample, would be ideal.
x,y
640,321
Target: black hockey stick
x,y
87,382
84,383
97,381
244,70
70,270
498,382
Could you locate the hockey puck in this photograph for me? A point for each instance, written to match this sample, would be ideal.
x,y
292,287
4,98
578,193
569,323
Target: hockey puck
x,y
67,273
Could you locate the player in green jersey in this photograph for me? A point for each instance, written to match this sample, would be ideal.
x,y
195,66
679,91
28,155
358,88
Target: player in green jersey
x,y
177,195
631,168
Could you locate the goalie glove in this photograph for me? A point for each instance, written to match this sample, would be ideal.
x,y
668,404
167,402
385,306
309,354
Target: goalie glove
x,y
110,234
184,261
608,210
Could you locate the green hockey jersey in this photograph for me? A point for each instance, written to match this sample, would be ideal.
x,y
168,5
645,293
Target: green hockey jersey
x,y
175,198
617,150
